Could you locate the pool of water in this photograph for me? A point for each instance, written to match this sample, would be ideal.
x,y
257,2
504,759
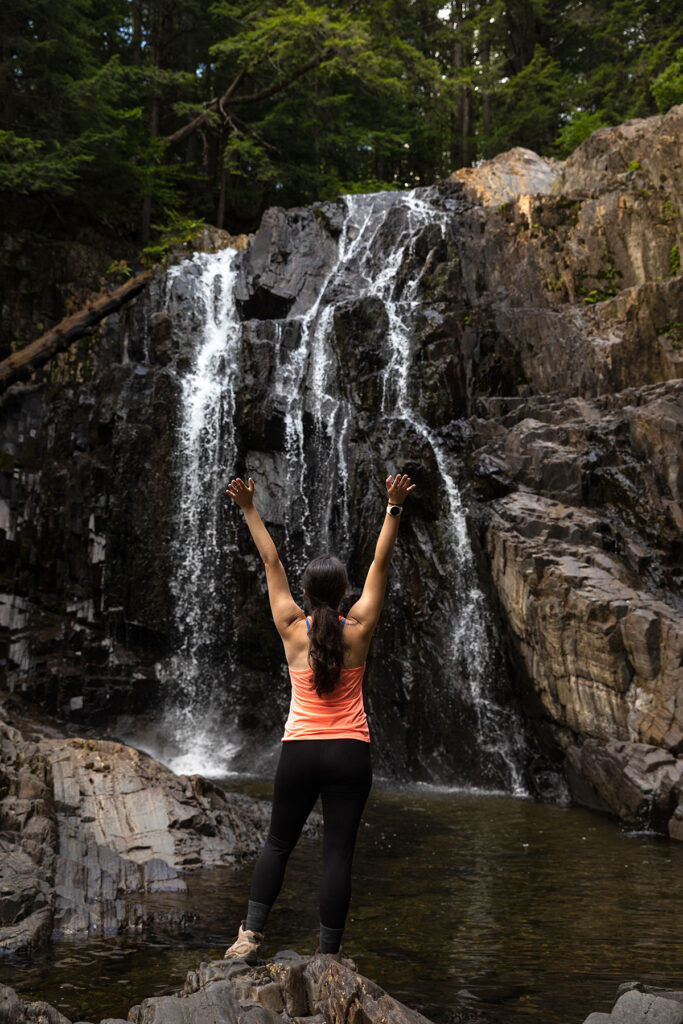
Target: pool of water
x,y
467,907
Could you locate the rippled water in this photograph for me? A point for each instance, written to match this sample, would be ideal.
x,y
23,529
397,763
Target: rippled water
x,y
470,908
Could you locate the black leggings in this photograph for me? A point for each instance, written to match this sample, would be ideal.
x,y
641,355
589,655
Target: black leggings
x,y
341,772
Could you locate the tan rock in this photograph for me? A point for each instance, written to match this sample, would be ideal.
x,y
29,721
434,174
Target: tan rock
x,y
517,172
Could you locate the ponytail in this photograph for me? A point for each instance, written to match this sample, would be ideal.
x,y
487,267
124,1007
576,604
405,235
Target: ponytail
x,y
326,653
325,582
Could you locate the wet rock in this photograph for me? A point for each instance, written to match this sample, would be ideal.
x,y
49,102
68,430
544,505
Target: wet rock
x,y
288,987
160,338
308,990
287,262
15,1010
642,1004
106,822
639,783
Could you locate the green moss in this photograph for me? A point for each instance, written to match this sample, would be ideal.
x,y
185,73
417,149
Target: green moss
x,y
596,296
674,332
634,165
554,283
674,260
669,211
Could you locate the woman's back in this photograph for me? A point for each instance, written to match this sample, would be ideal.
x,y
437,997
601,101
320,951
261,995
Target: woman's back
x,y
297,644
339,714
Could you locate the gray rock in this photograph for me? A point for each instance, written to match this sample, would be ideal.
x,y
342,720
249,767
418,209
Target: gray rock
x,y
312,990
642,1004
14,1010
638,783
99,822
644,1008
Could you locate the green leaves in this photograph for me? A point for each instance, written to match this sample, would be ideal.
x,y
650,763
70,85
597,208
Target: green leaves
x,y
580,125
27,166
315,100
667,87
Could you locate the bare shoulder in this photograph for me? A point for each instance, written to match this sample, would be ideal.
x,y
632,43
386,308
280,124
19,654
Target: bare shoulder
x,y
295,641
295,625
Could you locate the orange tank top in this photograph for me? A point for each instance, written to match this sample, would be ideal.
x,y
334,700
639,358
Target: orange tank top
x,y
339,715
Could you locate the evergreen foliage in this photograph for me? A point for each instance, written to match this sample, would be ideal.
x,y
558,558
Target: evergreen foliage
x,y
130,113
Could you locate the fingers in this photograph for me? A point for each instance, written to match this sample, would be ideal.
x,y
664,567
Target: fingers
x,y
399,486
238,489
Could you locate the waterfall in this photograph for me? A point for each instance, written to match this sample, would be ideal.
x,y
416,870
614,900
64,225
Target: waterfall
x,y
206,451
377,263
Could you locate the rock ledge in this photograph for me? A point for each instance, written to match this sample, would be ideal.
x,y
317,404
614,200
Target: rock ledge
x,y
299,989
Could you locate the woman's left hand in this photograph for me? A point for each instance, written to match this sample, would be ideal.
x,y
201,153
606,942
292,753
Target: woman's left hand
x,y
239,492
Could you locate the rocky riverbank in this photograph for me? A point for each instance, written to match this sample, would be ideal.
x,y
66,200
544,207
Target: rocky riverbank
x,y
307,990
302,989
88,826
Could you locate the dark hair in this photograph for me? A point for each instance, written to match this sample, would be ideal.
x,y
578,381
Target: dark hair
x,y
325,582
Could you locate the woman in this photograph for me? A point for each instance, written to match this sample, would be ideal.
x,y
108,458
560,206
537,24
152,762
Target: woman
x,y
326,745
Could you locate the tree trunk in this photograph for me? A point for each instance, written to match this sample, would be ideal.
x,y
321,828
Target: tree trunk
x,y
220,213
22,363
486,93
465,128
147,201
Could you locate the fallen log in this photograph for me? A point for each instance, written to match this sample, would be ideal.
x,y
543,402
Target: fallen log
x,y
25,360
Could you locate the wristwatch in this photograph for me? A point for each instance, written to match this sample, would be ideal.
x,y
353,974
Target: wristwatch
x,y
394,510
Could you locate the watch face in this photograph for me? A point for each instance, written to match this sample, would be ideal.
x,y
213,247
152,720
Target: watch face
x,y
394,510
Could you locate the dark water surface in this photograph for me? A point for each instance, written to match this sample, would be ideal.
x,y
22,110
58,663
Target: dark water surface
x,y
468,907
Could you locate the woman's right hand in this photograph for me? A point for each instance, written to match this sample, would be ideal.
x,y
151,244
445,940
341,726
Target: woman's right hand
x,y
398,488
239,492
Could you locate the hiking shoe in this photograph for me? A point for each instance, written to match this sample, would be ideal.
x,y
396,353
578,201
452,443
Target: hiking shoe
x,y
339,957
245,946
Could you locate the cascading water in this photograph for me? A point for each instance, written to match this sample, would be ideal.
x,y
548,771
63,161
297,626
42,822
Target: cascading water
x,y
205,447
376,263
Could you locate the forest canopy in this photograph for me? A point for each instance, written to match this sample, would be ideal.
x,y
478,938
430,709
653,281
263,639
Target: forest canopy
x,y
126,114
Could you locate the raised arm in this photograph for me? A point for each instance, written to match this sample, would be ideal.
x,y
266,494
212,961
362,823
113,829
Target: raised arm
x,y
367,608
284,608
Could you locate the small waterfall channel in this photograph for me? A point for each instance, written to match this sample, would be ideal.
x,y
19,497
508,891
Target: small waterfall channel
x,y
310,485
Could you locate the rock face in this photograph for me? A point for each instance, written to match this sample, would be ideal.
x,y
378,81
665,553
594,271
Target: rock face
x,y
583,474
306,990
85,825
501,180
541,372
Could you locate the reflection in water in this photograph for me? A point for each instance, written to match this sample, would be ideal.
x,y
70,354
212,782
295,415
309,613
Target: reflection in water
x,y
469,908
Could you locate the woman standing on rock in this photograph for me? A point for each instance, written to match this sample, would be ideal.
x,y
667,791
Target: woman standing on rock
x,y
326,745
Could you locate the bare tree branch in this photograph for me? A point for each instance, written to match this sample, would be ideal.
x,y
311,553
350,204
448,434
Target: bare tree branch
x,y
219,102
198,121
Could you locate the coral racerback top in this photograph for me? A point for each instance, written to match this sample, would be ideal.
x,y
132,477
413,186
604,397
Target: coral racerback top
x,y
334,716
